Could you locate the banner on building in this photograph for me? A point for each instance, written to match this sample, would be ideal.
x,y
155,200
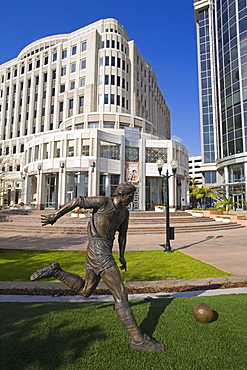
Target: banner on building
x,y
132,172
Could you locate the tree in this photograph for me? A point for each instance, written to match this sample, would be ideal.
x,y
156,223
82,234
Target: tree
x,y
227,203
192,187
203,193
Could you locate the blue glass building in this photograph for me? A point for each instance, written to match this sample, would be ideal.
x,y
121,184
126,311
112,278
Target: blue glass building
x,y
222,66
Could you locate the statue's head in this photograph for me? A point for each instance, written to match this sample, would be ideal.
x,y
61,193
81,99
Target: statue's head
x,y
124,193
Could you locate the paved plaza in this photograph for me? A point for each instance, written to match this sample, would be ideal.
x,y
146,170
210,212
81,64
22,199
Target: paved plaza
x,y
224,249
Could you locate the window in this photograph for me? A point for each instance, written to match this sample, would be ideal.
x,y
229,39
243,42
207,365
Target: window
x,y
63,71
72,85
112,99
22,148
81,101
15,72
113,61
112,79
72,67
36,80
37,63
118,99
107,61
64,54
106,79
101,61
70,149
73,50
71,103
84,46
106,99
54,74
118,62
83,64
118,81
30,66
113,43
60,106
54,57
22,69
85,150
14,149
46,60
62,88
82,81
107,43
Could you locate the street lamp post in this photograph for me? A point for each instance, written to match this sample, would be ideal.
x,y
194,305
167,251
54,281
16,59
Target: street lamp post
x,y
174,165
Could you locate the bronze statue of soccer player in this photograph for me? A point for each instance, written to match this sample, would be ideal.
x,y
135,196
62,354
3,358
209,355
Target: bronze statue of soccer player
x,y
109,215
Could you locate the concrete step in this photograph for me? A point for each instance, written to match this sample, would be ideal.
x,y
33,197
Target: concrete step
x,y
133,228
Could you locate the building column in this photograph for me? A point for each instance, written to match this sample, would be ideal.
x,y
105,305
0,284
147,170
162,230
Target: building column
x,y
61,185
40,189
226,175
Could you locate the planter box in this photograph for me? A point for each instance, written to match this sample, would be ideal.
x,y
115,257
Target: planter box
x,y
225,219
197,214
241,217
215,212
82,215
218,219
158,209
29,207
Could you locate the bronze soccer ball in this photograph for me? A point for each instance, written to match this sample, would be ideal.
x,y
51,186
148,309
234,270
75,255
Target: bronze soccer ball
x,y
203,312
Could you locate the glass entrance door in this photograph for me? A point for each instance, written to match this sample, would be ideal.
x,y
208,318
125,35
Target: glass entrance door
x,y
51,190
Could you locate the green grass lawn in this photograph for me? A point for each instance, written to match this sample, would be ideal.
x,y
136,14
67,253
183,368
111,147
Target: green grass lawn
x,y
141,265
70,336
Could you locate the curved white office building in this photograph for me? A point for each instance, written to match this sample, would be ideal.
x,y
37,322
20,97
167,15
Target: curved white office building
x,y
81,112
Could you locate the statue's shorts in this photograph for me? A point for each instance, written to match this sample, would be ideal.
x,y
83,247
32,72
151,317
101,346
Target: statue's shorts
x,y
99,255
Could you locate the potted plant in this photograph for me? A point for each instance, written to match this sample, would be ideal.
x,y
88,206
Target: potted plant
x,y
81,212
159,208
74,213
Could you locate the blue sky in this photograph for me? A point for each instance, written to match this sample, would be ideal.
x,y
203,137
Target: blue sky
x,y
163,30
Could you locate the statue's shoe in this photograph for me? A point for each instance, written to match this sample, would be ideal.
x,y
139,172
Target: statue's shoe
x,y
148,345
45,272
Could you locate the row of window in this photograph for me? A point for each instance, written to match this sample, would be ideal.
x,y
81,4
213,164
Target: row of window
x,y
6,150
11,168
113,99
46,60
113,44
114,62
114,80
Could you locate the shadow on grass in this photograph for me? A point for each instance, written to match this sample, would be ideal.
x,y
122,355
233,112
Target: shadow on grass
x,y
40,336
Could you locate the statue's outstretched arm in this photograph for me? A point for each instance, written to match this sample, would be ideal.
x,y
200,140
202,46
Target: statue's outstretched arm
x,y
52,218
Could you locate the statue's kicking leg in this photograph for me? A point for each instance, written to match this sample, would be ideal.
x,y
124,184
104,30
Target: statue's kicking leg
x,y
138,341
73,281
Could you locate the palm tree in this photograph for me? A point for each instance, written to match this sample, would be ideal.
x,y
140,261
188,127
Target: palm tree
x,y
203,193
193,186
228,203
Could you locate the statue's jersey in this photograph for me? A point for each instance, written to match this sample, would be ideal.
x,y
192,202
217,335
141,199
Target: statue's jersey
x,y
105,221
